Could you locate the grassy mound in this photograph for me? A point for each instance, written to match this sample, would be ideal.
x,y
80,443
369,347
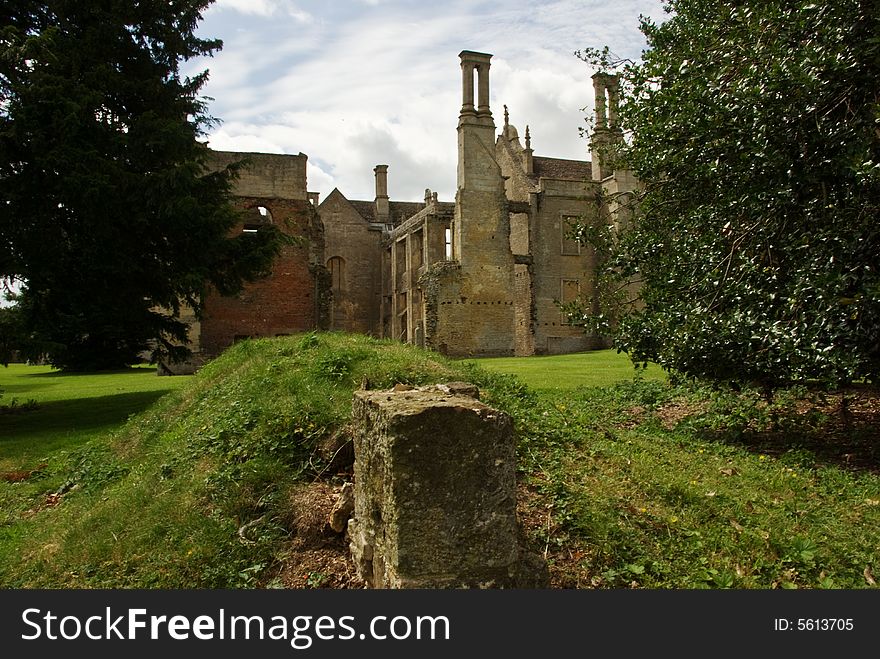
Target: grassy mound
x,y
639,484
193,492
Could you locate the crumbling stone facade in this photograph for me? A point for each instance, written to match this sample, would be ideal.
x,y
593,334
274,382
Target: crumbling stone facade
x,y
483,275
486,275
295,296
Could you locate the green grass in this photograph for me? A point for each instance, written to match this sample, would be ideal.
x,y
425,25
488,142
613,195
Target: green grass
x,y
560,372
72,408
725,493
159,502
640,502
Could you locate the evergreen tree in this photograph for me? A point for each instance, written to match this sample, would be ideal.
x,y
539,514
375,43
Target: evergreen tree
x,y
108,214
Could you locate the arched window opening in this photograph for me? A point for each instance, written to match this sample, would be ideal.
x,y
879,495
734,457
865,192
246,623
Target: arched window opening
x,y
256,218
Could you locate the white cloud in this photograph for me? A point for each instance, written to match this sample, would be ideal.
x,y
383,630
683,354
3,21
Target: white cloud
x,y
362,85
264,8
8,285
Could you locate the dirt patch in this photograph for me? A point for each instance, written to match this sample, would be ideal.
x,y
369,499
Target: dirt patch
x,y
327,567
541,534
670,414
317,556
633,417
676,411
19,475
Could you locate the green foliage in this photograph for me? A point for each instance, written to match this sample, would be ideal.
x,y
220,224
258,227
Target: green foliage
x,y
642,502
109,216
754,128
15,406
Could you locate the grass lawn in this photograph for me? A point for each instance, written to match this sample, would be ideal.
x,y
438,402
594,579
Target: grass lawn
x,y
598,368
71,408
623,482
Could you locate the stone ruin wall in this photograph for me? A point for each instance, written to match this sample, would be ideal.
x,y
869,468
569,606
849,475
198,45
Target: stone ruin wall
x,y
510,271
353,255
294,296
464,317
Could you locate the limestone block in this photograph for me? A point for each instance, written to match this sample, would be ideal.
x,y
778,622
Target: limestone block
x,y
342,509
435,500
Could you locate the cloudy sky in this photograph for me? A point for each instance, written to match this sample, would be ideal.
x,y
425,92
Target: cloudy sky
x,y
355,83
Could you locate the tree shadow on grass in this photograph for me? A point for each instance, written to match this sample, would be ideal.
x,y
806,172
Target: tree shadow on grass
x,y
10,390
849,441
73,374
81,415
857,452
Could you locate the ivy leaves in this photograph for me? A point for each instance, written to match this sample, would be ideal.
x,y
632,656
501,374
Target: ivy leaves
x,y
755,130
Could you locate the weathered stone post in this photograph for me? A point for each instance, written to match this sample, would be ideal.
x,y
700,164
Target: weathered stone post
x,y
435,498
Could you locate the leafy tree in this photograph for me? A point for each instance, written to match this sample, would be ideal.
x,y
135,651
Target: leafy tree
x,y
754,127
108,212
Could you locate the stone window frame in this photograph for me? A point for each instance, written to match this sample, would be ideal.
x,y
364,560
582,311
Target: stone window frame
x,y
418,246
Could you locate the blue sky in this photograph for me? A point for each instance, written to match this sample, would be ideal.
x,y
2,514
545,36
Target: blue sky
x,y
355,83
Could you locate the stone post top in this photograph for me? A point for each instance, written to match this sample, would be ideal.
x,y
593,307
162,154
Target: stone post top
x,y
406,399
473,56
600,78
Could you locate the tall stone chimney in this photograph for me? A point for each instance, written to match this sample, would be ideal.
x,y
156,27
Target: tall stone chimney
x,y
479,294
383,210
480,215
606,132
477,113
475,62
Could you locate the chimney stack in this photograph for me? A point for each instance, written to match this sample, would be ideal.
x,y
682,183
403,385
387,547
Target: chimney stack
x,y
475,63
606,134
383,210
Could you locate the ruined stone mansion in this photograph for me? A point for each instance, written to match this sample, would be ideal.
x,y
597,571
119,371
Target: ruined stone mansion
x,y
481,276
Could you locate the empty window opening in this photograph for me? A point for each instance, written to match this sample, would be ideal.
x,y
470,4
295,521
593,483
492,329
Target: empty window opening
x,y
256,218
571,291
417,250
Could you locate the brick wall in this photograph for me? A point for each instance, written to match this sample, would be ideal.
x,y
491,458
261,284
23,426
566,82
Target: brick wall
x,y
285,302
